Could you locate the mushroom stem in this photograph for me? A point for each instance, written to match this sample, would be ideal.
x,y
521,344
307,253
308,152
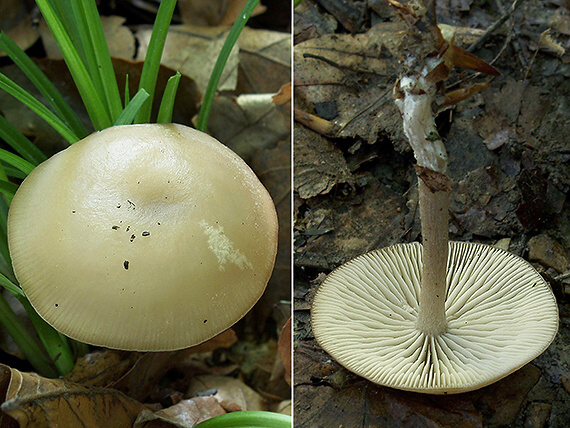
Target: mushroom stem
x,y
434,206
415,96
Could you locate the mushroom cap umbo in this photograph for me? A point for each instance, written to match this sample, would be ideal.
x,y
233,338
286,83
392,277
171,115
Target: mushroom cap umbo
x,y
143,237
501,314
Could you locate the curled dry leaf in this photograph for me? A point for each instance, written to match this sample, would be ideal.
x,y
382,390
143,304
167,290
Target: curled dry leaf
x,y
35,401
233,394
319,164
185,414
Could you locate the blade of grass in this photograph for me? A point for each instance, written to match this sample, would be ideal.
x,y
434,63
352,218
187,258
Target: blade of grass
x,y
8,189
31,350
66,16
16,161
56,344
11,287
93,102
168,97
18,141
250,419
41,110
13,172
85,42
4,203
153,56
128,114
43,84
103,58
127,94
221,63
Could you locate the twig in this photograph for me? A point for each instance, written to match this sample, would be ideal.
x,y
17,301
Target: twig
x,y
493,27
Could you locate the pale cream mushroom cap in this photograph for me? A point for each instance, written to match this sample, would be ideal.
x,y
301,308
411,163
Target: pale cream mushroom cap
x,y
143,237
501,314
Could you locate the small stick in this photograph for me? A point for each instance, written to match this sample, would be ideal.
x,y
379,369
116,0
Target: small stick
x,y
493,27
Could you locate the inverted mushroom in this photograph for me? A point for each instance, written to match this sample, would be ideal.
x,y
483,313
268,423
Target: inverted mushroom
x,y
500,314
439,317
143,237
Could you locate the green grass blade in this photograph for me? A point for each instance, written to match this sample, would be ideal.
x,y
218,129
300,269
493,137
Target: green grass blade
x,y
18,141
103,58
8,189
93,102
13,172
128,114
41,110
56,344
11,287
84,42
168,97
221,63
4,251
66,17
249,419
16,161
127,94
31,350
153,56
43,84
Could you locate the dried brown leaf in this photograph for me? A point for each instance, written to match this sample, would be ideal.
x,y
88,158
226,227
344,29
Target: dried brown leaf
x,y
248,123
232,394
319,165
38,402
265,60
185,414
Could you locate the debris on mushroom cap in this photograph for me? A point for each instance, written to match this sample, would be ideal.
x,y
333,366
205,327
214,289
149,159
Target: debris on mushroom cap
x,y
143,237
501,314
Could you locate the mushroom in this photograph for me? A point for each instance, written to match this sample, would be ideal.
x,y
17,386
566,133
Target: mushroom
x,y
499,315
441,317
143,237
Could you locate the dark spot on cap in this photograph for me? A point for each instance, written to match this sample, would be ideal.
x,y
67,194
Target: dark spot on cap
x,y
118,205
145,233
73,211
158,223
128,228
126,264
115,227
56,305
205,321
133,238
